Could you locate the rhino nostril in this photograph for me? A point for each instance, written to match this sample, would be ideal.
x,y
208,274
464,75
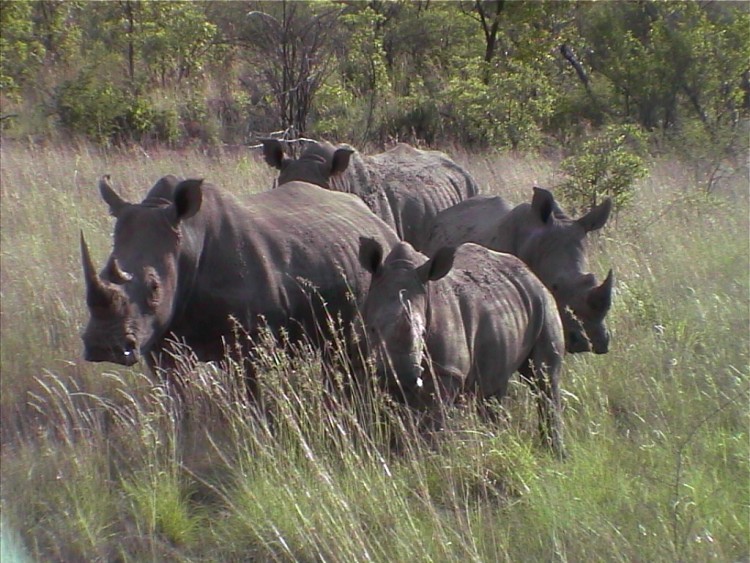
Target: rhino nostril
x,y
129,350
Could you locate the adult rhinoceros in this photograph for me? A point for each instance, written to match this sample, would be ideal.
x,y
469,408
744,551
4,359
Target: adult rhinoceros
x,y
464,320
190,261
551,244
404,186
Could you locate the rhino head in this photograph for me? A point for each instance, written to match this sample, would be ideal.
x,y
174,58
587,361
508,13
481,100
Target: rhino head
x,y
395,309
318,162
553,245
131,300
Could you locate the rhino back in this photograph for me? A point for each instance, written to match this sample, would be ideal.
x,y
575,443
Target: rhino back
x,y
419,184
365,181
497,308
472,220
266,258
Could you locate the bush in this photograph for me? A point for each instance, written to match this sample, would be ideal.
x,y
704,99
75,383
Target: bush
x,y
90,108
144,122
105,113
605,165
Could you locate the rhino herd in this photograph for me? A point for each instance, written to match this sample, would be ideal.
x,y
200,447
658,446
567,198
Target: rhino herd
x,y
453,291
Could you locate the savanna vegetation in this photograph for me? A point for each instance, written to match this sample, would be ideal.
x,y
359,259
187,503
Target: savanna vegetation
x,y
99,464
643,101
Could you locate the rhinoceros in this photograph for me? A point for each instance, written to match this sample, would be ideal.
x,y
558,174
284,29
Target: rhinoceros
x,y
462,321
553,246
404,186
190,261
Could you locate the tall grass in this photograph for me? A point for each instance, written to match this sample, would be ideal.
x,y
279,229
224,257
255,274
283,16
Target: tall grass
x,y
99,463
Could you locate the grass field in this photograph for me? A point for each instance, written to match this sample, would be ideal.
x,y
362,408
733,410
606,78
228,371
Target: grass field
x,y
99,465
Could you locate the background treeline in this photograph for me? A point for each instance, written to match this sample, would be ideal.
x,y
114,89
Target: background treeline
x,y
475,73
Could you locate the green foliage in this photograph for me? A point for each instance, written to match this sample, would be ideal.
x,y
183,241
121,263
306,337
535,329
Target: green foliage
x,y
607,165
348,101
88,107
175,39
21,52
671,58
144,122
104,113
487,74
508,111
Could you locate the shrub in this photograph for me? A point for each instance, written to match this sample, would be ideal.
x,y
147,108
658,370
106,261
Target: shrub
x,y
607,164
506,110
105,113
142,121
90,108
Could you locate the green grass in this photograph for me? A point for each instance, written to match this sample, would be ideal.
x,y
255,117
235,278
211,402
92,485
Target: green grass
x,y
98,463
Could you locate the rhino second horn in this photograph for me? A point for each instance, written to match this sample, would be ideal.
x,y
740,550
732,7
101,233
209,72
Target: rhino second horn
x,y
601,297
115,273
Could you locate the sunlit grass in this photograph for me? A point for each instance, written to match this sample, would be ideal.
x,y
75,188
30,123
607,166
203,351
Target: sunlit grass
x,y
100,463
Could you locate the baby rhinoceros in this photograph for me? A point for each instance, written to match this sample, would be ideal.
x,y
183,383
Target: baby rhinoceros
x,y
461,322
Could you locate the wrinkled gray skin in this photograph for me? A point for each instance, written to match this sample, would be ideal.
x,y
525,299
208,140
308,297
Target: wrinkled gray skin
x,y
190,256
552,244
464,320
406,187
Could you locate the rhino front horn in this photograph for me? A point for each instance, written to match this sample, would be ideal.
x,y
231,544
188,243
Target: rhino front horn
x,y
96,293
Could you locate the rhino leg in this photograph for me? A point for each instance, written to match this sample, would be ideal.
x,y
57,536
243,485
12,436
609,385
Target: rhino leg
x,y
163,366
542,372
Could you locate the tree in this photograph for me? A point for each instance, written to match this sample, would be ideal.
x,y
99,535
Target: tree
x,y
488,14
290,44
20,51
175,39
669,60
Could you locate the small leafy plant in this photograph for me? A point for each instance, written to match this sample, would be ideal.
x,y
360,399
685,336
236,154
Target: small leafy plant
x,y
607,164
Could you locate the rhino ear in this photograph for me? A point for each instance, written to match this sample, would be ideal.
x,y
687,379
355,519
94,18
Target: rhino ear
x,y
273,152
542,204
370,254
110,196
597,217
341,160
188,197
438,266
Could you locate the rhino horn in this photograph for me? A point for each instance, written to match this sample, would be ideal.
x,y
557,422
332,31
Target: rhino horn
x,y
115,273
600,298
110,196
96,293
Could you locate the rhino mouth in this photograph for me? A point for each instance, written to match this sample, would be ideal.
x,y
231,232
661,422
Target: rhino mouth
x,y
126,355
577,343
408,380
